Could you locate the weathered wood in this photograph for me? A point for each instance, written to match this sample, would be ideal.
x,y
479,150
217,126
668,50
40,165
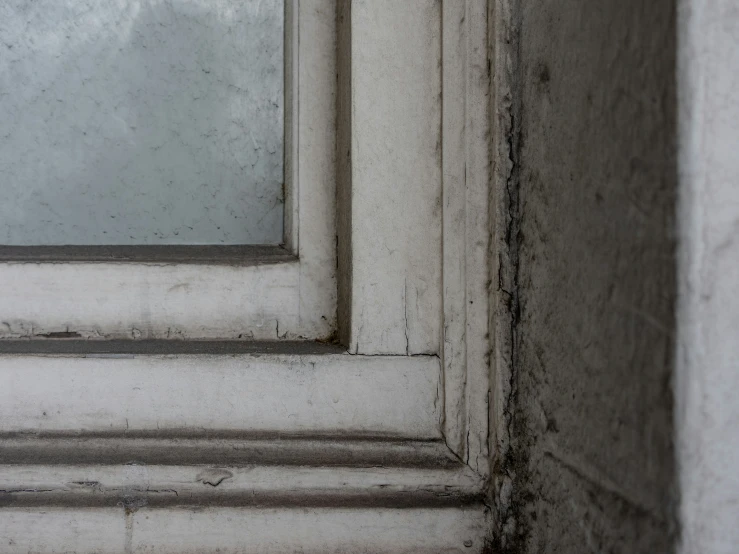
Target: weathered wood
x,y
237,451
393,260
137,485
247,254
313,177
466,217
131,300
128,348
454,210
230,448
243,531
339,393
251,293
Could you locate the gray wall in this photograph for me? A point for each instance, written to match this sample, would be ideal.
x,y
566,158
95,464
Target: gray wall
x,y
591,454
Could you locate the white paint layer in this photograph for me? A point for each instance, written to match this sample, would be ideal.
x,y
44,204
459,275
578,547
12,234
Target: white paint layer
x,y
163,485
278,453
253,393
707,411
395,177
238,531
137,300
312,181
466,220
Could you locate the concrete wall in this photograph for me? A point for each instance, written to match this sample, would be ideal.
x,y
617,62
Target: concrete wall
x,y
591,456
707,409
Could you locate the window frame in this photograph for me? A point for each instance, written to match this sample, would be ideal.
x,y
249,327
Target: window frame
x,y
451,327
393,432
212,292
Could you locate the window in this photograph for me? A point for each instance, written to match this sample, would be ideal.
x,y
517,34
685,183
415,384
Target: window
x,y
278,441
139,129
142,123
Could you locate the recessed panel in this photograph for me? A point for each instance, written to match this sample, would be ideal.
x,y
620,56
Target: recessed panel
x,y
127,122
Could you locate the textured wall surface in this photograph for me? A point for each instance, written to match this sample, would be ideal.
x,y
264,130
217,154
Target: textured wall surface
x,y
707,409
592,455
141,122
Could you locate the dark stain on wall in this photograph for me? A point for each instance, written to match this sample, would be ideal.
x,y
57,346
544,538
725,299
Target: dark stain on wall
x,y
593,241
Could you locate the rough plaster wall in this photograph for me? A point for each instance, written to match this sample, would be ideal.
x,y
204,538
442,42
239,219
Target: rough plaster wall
x,y
591,453
707,410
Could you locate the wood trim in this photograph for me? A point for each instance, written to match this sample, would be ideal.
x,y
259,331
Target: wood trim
x,y
138,485
390,173
131,348
315,173
344,170
236,255
234,449
292,122
134,300
454,206
269,393
194,292
392,232
399,463
466,234
246,530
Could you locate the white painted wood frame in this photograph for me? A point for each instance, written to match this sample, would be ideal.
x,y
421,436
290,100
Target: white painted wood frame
x,y
378,446
258,293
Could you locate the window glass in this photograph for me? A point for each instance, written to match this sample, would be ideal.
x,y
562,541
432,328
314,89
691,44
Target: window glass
x,y
141,122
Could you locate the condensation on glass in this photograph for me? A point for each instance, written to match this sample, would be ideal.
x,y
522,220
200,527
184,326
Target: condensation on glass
x,y
140,122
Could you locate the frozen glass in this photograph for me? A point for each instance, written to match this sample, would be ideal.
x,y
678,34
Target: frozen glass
x,y
137,122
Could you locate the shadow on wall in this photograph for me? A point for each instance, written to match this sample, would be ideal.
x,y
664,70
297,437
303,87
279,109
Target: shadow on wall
x,y
592,453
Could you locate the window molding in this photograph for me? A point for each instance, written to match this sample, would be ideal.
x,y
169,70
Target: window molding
x,y
390,186
258,530
393,431
325,394
467,223
208,292
415,258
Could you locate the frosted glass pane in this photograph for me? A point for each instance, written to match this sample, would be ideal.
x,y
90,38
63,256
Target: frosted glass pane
x,y
141,122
